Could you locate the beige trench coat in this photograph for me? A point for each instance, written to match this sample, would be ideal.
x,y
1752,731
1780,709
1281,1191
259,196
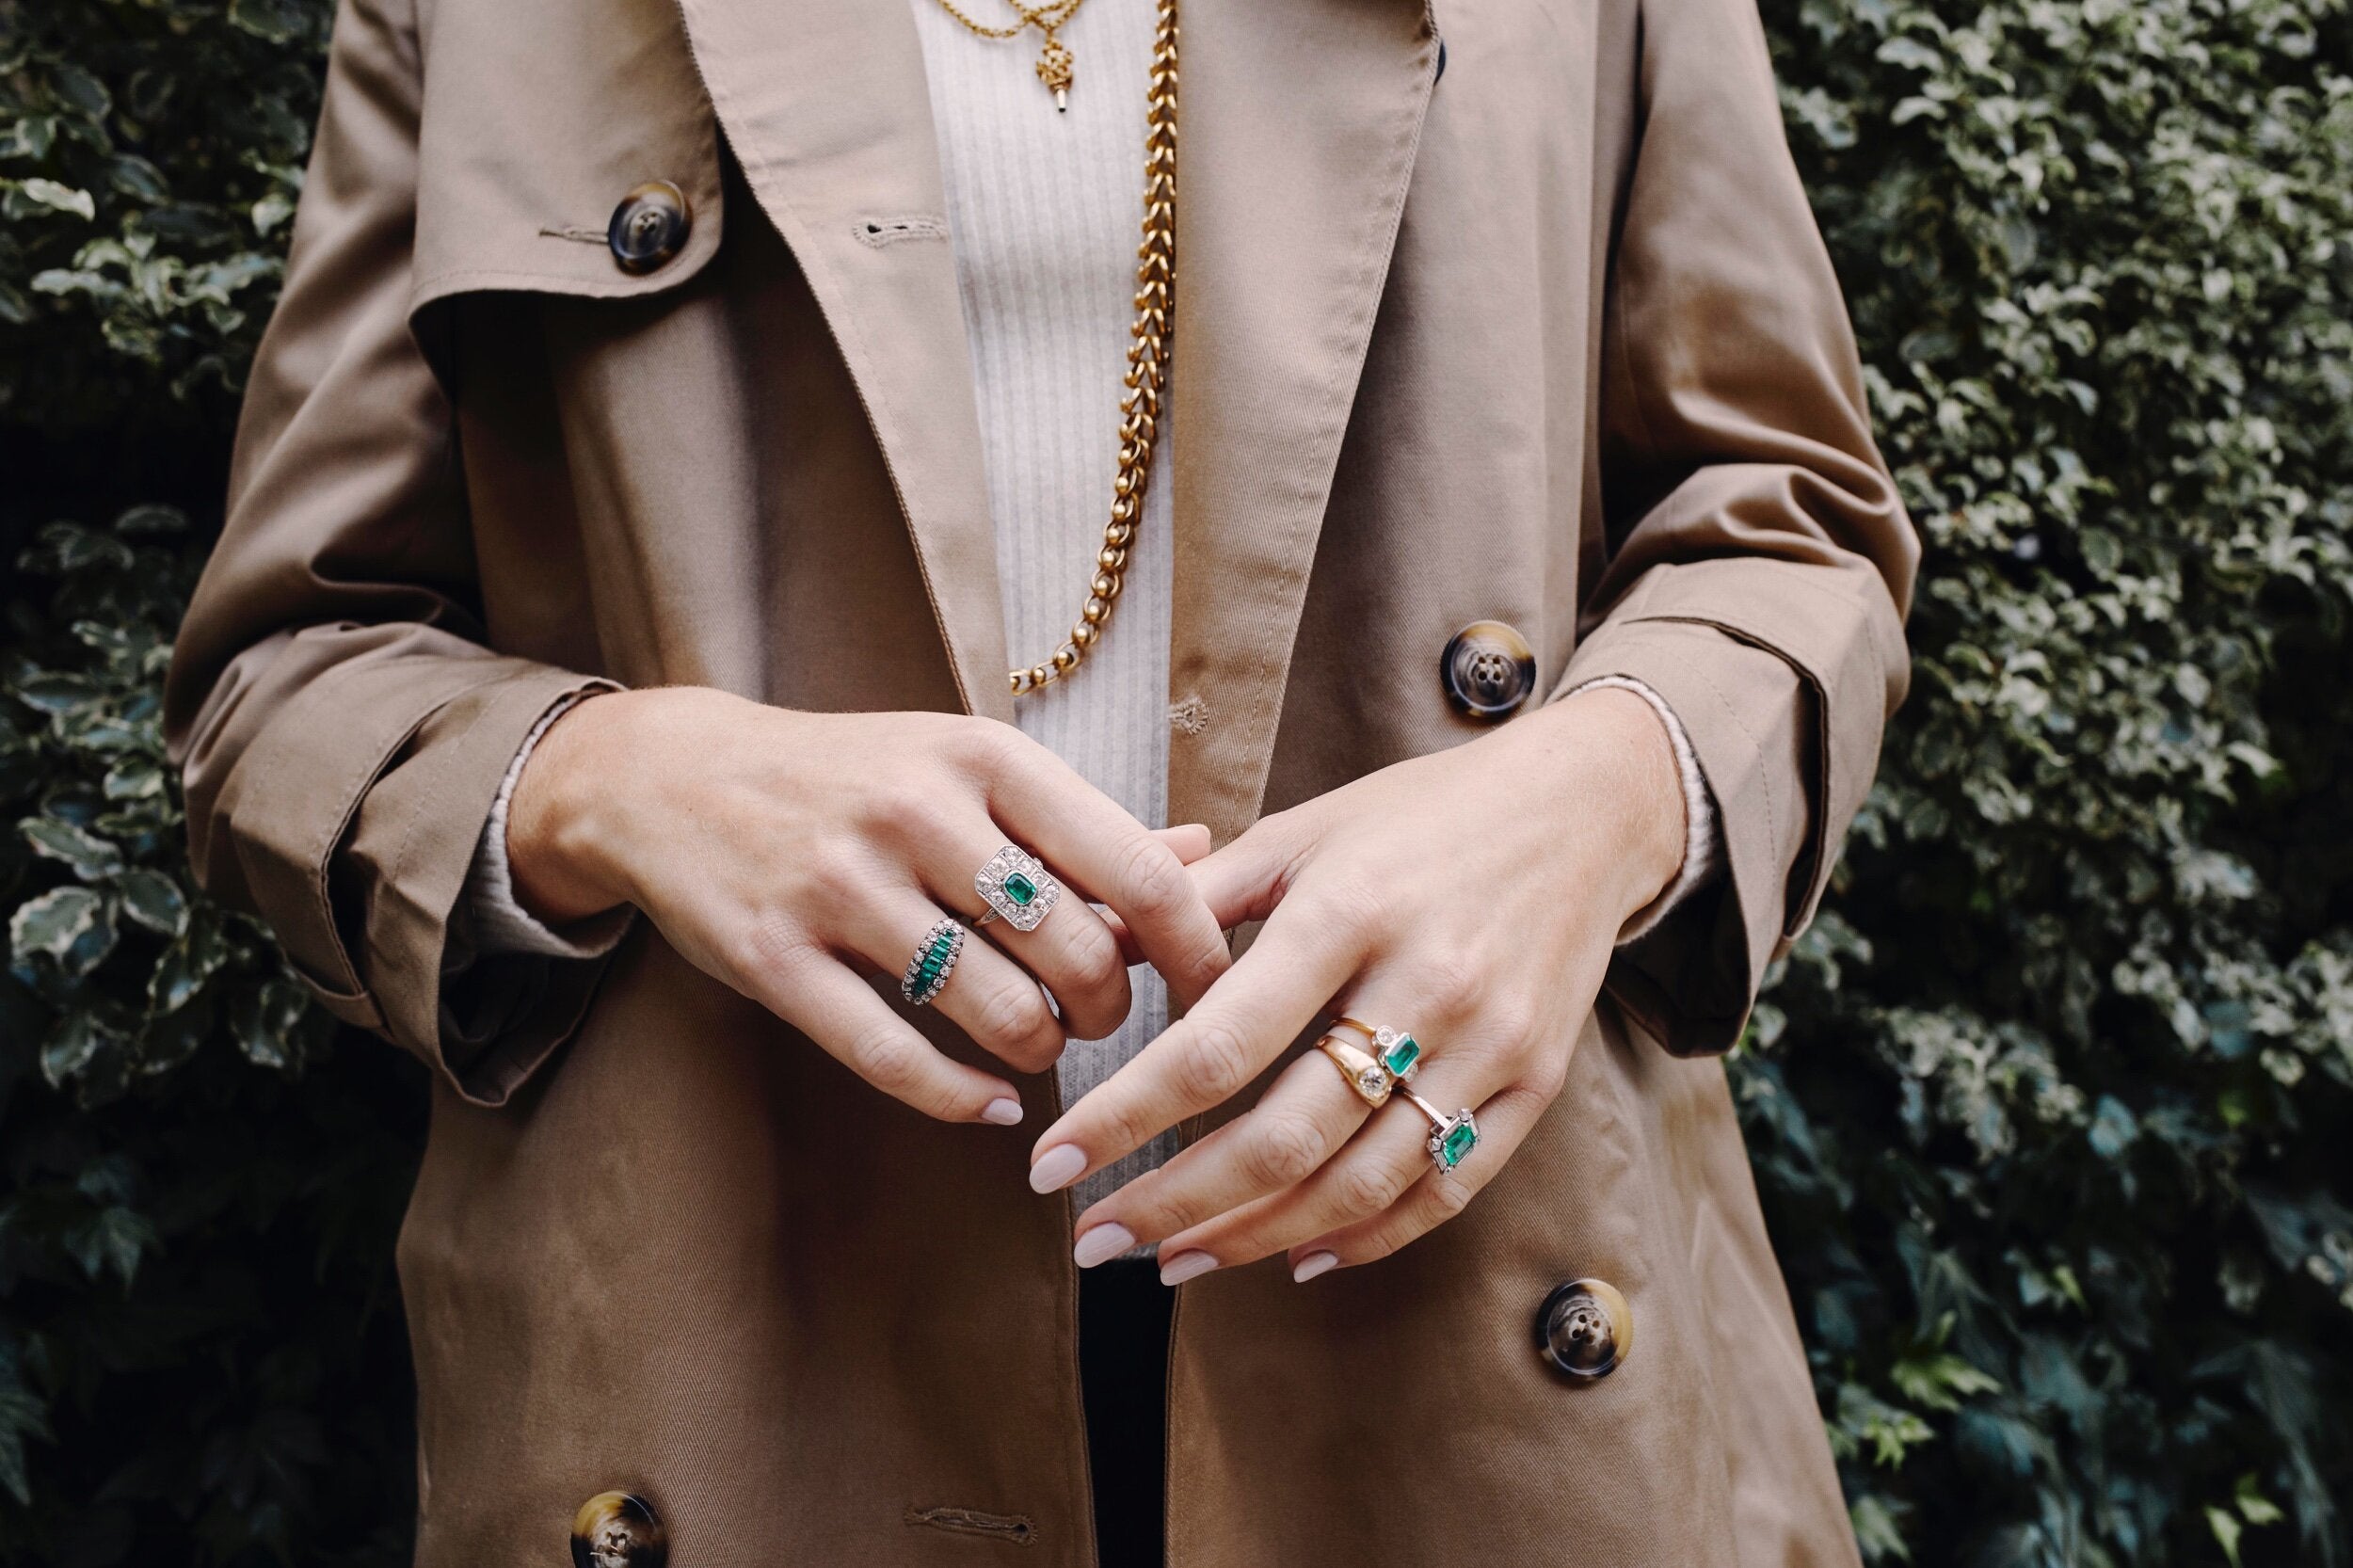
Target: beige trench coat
x,y
1547,336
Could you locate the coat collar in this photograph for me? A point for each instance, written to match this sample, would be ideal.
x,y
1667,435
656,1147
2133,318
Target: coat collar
x,y
1298,122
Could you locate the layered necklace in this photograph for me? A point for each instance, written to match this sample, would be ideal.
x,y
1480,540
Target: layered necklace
x,y
1148,336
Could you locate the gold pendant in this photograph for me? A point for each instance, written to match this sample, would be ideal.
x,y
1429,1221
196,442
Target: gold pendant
x,y
1053,69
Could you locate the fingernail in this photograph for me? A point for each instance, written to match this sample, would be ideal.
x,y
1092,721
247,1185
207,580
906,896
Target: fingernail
x,y
1003,1112
1057,1168
1185,1266
1313,1264
1102,1244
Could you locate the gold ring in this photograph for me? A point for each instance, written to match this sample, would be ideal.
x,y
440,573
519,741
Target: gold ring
x,y
1370,1081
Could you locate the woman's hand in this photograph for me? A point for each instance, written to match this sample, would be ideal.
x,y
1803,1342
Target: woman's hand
x,y
784,851
1471,897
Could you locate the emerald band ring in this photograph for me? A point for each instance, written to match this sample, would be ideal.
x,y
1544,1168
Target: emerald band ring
x,y
1451,1138
935,960
1017,885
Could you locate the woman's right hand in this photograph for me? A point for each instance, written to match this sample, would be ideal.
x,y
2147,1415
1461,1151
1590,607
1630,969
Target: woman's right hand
x,y
784,853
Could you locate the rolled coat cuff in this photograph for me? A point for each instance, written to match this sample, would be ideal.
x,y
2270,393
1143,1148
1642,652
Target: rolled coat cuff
x,y
1783,674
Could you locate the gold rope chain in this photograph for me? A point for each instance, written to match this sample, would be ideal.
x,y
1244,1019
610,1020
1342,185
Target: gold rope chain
x,y
1148,363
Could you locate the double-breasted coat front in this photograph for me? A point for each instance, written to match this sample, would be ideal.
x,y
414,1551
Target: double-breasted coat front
x,y
1499,309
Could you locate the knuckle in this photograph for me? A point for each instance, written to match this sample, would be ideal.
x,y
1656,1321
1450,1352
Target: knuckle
x,y
1013,1015
899,811
772,944
1092,954
889,1059
1354,909
1281,1152
1367,1187
1217,1060
1448,1196
1123,1129
835,877
1547,1076
991,746
1451,979
1152,877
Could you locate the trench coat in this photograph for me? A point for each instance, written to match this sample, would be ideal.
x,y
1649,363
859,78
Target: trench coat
x,y
1501,310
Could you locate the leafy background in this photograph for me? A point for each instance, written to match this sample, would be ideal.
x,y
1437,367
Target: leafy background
x,y
2049,1109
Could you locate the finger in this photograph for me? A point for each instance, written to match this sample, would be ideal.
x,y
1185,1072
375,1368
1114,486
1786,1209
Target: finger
x,y
987,995
1099,849
1262,1005
1309,1113
1189,841
1504,1123
1375,1170
816,994
1072,950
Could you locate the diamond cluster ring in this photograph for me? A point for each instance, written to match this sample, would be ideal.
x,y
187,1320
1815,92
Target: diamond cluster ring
x,y
1016,886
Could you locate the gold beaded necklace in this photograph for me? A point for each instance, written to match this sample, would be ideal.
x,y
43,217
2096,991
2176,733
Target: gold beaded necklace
x,y
1148,351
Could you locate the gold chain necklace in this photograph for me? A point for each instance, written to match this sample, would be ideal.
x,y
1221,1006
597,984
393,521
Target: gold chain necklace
x,y
1055,61
1148,362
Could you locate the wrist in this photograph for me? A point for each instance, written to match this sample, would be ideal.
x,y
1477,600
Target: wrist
x,y
1620,775
560,824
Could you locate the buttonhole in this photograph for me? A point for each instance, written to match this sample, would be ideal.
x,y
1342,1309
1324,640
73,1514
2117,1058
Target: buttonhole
x,y
1189,716
572,232
1014,1528
880,231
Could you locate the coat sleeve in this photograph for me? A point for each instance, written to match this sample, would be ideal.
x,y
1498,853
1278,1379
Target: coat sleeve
x,y
1760,561
341,727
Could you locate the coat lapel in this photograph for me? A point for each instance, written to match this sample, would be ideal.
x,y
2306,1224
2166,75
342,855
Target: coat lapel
x,y
1297,124
824,105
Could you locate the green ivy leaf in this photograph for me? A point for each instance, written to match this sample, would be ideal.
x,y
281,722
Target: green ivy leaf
x,y
55,922
88,856
155,901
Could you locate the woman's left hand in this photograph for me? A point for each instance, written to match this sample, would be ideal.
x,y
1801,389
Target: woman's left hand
x,y
1471,897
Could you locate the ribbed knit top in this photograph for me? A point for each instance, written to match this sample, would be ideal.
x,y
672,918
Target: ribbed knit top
x,y
1044,212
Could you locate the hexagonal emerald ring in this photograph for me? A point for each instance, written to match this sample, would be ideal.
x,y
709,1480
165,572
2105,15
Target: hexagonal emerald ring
x,y
1017,885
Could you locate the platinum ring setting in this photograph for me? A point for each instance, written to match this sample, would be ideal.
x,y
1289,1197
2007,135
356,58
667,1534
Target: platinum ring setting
x,y
1016,886
1451,1138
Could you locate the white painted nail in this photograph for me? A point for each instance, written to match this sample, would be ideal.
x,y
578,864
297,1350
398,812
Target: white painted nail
x,y
1102,1244
1057,1168
1185,1266
1313,1264
1002,1113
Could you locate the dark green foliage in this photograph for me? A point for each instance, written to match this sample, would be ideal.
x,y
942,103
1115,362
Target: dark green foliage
x,y
2048,1109
2051,1110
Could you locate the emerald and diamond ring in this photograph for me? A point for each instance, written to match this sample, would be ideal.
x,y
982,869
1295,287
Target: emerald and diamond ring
x,y
935,960
1016,886
1451,1138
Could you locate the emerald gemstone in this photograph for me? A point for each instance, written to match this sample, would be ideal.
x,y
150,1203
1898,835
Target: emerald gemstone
x,y
1399,1058
1020,889
1460,1140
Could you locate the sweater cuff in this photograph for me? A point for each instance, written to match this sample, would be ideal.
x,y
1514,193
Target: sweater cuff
x,y
499,923
1703,835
